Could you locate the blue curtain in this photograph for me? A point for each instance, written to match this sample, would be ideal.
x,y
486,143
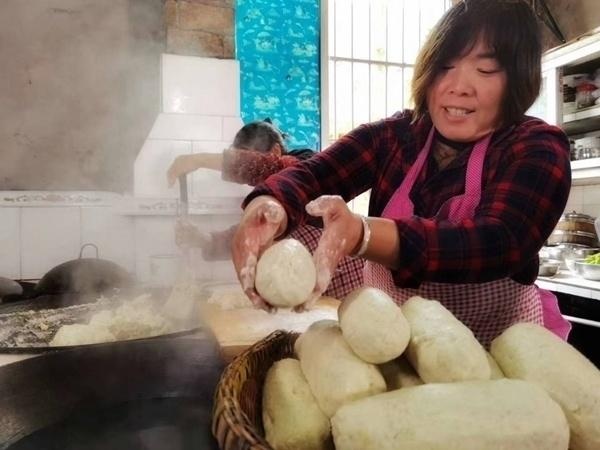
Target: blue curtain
x,y
277,45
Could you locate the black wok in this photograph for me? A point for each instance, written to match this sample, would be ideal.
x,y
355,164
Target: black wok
x,y
84,276
112,396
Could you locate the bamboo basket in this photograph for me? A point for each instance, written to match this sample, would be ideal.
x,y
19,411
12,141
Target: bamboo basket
x,y
237,415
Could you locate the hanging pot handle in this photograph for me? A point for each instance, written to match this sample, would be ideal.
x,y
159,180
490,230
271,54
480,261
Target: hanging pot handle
x,y
84,246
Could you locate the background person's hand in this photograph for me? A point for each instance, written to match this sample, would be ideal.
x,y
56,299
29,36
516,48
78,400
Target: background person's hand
x,y
342,233
187,235
263,218
181,165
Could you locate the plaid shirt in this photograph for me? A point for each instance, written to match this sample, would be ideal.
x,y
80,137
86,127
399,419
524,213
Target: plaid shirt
x,y
252,167
526,182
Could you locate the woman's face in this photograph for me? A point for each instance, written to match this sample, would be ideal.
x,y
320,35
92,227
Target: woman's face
x,y
465,101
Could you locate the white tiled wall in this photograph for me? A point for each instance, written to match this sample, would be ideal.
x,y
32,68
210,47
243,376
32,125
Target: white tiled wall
x,y
111,232
155,237
187,127
201,113
195,85
49,236
585,199
10,238
151,165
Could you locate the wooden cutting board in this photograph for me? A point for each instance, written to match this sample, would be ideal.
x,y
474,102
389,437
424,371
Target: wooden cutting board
x,y
237,329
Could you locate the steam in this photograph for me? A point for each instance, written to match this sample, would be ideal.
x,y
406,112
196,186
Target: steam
x,y
80,91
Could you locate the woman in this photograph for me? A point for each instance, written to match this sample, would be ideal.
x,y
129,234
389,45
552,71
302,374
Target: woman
x,y
257,151
465,188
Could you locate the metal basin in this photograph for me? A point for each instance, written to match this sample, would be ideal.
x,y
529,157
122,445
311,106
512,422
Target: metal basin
x,y
549,267
588,271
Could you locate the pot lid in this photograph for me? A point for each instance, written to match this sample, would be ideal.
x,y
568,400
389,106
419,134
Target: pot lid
x,y
578,217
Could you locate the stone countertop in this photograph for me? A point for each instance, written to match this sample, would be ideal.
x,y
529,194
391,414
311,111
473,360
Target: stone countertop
x,y
564,281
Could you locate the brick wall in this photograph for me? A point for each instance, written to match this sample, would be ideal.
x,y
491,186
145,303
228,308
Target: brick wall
x,y
200,27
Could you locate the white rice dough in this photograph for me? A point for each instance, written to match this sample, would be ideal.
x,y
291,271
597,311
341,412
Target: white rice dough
x,y
335,374
286,274
373,325
470,415
531,352
291,416
442,349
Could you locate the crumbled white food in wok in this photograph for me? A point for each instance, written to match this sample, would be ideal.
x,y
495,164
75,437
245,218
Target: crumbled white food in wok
x,y
134,319
80,334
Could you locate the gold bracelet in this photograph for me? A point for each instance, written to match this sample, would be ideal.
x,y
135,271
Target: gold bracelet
x,y
366,237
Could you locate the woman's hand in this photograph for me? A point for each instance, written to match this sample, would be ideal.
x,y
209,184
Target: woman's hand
x,y
182,165
264,218
342,234
187,235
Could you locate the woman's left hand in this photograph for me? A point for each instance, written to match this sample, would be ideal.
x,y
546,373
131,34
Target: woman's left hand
x,y
342,234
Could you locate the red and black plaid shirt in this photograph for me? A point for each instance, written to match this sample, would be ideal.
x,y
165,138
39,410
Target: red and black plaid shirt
x,y
526,182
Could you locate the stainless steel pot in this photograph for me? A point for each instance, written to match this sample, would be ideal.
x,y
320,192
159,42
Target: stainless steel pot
x,y
575,221
558,237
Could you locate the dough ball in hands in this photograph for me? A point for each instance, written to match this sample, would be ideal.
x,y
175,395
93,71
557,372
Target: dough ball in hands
x,y
531,352
285,274
373,325
291,415
441,348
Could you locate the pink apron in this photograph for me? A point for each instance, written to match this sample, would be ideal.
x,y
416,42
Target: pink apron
x,y
486,308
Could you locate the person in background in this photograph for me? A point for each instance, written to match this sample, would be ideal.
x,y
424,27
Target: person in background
x,y
258,151
465,188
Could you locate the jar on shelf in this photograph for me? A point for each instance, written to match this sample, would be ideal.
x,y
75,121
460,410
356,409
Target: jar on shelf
x,y
585,94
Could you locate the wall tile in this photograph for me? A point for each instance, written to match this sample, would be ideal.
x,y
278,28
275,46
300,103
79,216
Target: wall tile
x,y
187,127
197,85
49,236
592,209
231,125
154,236
112,233
10,235
591,194
575,201
151,165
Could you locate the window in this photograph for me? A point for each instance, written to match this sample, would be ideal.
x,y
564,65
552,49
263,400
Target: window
x,y
369,49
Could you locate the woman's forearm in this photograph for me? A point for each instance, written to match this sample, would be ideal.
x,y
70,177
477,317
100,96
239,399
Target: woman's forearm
x,y
384,242
212,161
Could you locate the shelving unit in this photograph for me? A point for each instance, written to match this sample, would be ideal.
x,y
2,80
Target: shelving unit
x,y
582,121
579,56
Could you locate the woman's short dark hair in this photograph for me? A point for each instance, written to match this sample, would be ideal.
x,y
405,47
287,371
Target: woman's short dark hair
x,y
260,136
508,27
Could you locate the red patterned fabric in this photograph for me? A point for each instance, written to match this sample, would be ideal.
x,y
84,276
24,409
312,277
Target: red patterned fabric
x,y
525,181
349,273
486,308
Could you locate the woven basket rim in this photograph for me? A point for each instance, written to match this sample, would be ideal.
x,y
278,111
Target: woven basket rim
x,y
231,426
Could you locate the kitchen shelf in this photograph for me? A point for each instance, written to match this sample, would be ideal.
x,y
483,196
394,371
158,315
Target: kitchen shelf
x,y
583,120
585,171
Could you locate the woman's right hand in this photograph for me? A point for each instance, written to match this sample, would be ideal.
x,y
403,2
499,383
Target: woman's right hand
x,y
264,218
187,235
181,165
